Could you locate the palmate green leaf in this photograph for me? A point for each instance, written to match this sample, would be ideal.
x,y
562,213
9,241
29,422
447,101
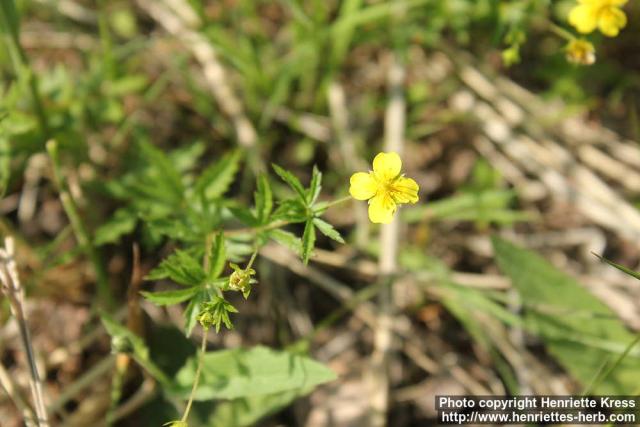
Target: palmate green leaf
x,y
328,230
259,371
217,178
579,330
292,181
5,156
138,349
263,199
314,187
122,222
171,297
218,256
308,240
180,267
163,174
287,239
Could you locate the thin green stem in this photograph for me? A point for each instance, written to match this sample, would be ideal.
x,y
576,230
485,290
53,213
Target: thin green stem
x,y
203,348
79,229
337,202
252,259
21,63
560,32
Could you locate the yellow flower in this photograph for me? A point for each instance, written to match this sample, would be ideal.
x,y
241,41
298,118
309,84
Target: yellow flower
x,y
606,15
384,187
580,51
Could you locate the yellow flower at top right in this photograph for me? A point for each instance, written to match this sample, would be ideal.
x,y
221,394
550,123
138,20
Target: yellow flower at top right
x,y
606,15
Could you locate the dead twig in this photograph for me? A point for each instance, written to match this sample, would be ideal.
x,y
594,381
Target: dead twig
x,y
12,289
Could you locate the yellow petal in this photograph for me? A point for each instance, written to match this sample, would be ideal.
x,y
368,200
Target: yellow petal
x,y
584,17
611,20
387,166
363,186
381,209
404,190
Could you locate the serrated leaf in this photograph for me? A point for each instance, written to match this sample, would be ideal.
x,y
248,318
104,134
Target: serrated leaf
x,y
579,330
165,175
314,188
244,215
308,240
328,230
122,222
287,239
192,311
171,297
292,181
180,267
263,199
218,256
292,210
217,178
230,374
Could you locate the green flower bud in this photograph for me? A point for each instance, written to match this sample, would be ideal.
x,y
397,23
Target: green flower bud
x,y
241,280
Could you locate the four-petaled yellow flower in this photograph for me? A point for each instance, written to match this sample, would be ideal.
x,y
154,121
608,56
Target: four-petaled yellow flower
x,y
384,187
606,15
580,51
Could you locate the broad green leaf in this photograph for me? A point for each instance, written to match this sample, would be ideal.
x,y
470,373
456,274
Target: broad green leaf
x,y
5,172
122,222
471,207
230,374
218,256
314,188
579,330
180,267
171,297
328,230
263,199
139,350
287,239
292,181
308,240
244,412
217,178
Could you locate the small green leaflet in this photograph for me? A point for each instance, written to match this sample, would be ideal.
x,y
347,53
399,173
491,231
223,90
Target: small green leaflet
x,y
328,230
217,178
263,199
293,182
287,239
180,267
171,297
314,188
217,256
122,222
